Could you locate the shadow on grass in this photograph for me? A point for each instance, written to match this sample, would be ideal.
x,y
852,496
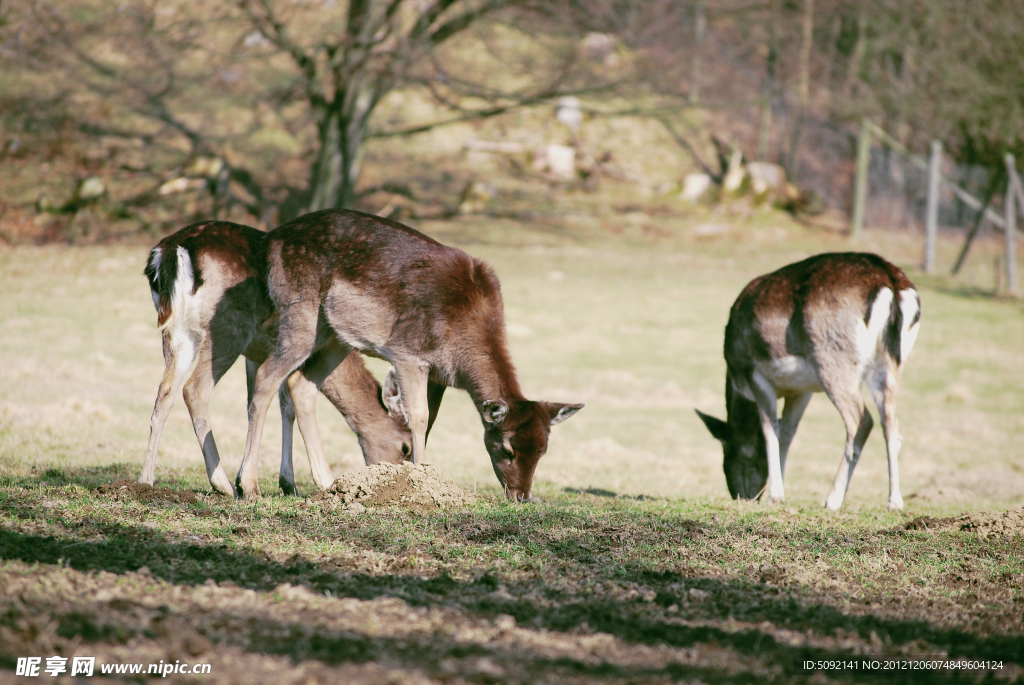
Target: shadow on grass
x,y
129,548
91,477
601,492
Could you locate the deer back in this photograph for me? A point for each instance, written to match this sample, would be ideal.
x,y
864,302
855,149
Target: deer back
x,y
386,288
830,309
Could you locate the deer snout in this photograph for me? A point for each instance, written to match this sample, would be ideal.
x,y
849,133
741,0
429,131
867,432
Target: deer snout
x,y
515,495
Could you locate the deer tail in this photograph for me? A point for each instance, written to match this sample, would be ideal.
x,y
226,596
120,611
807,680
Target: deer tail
x,y
172,280
901,328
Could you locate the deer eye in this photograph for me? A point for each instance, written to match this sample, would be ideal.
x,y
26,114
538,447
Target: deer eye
x,y
406,450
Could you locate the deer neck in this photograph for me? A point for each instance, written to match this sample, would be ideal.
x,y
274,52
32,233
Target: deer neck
x,y
488,374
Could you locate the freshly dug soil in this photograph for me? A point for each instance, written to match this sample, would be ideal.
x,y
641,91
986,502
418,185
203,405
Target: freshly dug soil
x,y
132,489
984,523
421,487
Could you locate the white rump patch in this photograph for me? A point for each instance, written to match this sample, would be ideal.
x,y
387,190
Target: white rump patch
x,y
870,337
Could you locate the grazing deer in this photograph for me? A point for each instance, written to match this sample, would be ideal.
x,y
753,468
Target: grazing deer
x,y
433,311
209,289
826,324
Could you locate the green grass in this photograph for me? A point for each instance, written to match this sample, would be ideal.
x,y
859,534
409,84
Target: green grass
x,y
754,587
633,567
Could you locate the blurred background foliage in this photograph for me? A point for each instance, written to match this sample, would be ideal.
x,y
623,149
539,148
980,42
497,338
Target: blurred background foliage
x,y
133,117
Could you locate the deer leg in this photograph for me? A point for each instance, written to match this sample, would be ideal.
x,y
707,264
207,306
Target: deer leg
x,y
197,391
767,410
858,426
792,412
250,379
178,356
286,475
884,393
435,393
413,375
269,377
304,386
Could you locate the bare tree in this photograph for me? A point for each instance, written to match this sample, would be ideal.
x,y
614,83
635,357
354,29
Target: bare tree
x,y
376,46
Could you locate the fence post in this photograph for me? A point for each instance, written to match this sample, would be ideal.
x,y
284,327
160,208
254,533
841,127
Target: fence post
x,y
860,188
932,219
1011,225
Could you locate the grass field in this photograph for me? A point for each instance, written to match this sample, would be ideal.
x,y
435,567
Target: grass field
x,y
635,567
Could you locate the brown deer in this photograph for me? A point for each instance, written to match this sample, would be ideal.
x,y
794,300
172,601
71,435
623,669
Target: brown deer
x,y
433,311
827,324
209,288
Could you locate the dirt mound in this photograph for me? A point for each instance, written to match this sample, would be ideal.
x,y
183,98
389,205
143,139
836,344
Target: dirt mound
x,y
131,489
983,523
421,487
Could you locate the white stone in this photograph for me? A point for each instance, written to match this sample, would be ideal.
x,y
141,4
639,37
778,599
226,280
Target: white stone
x,y
694,186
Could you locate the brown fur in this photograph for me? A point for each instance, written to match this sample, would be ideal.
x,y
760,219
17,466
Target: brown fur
x,y
803,329
431,310
234,316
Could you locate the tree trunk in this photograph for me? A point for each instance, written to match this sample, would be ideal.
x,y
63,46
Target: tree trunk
x,y
342,131
803,89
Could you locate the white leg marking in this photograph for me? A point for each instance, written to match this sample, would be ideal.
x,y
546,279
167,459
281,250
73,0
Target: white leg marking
x,y
767,408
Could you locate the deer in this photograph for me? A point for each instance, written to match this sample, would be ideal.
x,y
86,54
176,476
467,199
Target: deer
x,y
434,312
830,323
209,289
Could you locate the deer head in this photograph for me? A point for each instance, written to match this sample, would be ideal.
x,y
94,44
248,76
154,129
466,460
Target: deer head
x,y
516,437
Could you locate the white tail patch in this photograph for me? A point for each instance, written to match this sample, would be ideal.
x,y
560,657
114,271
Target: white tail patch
x,y
155,255
910,304
180,325
154,264
181,292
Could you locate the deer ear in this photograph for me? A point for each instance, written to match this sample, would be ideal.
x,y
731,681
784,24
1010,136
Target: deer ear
x,y
391,396
493,412
719,429
560,412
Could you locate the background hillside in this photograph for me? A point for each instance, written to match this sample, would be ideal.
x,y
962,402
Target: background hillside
x,y
259,110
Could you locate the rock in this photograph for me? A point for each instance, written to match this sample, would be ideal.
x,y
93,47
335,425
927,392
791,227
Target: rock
x,y
735,174
180,185
568,112
560,160
694,187
90,188
768,181
207,167
765,176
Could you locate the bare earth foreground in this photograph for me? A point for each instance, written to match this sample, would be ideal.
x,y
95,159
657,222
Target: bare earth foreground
x,y
633,567
347,586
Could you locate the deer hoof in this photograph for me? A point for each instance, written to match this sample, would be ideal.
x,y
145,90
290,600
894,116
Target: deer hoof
x,y
221,484
244,492
896,503
287,487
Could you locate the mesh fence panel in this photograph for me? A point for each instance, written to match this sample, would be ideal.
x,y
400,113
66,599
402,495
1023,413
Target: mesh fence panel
x,y
898,192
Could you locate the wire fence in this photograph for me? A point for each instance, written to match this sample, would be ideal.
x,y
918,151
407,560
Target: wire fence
x,y
896,188
897,196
